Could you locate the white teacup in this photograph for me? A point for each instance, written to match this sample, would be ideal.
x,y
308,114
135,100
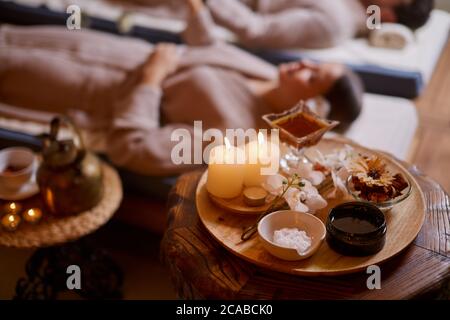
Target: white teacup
x,y
17,167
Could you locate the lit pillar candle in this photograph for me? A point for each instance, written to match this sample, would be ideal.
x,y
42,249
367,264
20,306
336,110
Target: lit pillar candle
x,y
32,215
259,154
226,171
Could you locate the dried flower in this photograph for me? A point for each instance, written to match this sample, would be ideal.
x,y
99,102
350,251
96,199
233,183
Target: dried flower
x,y
372,171
373,181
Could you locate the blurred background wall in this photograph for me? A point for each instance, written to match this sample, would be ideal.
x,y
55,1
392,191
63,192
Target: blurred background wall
x,y
443,4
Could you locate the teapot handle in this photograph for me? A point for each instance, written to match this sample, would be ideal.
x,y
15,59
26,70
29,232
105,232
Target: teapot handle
x,y
55,126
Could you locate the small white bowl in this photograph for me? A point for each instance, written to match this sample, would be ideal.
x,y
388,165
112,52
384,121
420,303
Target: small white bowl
x,y
23,158
277,220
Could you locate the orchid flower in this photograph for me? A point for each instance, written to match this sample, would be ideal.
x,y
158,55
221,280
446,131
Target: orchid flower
x,y
305,170
339,158
303,198
337,163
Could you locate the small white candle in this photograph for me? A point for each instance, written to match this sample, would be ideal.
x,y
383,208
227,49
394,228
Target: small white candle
x,y
32,215
10,221
13,208
226,171
259,154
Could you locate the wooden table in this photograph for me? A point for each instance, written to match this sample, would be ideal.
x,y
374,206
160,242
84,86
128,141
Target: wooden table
x,y
202,269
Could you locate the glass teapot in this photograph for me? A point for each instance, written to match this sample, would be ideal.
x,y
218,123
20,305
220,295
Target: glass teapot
x,y
69,177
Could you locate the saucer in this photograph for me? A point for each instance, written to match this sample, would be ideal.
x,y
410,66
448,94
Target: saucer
x,y
26,191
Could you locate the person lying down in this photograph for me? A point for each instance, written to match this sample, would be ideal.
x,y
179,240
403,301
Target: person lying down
x,y
308,24
137,93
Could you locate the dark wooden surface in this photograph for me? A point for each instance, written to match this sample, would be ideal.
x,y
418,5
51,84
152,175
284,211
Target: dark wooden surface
x,y
432,152
201,268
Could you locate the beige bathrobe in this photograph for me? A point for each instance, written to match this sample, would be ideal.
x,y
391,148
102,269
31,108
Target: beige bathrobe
x,y
290,23
271,24
94,77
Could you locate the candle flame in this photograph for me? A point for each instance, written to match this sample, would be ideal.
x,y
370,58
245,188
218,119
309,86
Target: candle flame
x,y
260,138
227,143
13,206
11,218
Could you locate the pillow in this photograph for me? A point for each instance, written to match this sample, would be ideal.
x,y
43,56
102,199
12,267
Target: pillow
x,y
391,36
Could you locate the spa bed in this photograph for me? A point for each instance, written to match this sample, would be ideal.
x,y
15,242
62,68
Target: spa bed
x,y
402,73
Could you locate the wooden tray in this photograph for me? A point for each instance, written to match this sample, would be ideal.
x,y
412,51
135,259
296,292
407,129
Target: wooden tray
x,y
404,222
237,205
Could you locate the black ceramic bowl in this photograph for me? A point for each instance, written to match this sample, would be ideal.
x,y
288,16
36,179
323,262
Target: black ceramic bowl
x,y
356,229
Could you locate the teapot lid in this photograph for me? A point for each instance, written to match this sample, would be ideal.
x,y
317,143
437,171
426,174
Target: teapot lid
x,y
60,152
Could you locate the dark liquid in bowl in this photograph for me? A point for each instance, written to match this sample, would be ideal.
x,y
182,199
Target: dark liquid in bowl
x,y
12,169
299,125
354,225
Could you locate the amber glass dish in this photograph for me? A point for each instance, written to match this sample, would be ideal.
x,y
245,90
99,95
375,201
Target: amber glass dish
x,y
299,128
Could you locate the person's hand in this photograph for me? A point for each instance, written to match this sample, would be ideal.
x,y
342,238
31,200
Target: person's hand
x,y
162,63
195,6
308,78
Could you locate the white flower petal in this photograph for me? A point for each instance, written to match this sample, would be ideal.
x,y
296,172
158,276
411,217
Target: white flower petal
x,y
316,177
307,184
343,174
274,184
316,202
292,196
306,171
339,190
301,207
302,196
309,188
